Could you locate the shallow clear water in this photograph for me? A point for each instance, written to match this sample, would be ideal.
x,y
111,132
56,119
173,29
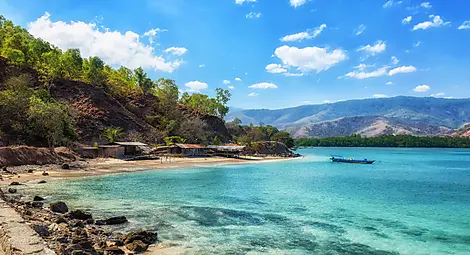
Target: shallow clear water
x,y
411,201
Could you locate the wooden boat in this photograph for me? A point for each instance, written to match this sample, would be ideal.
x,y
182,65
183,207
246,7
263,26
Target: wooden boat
x,y
339,159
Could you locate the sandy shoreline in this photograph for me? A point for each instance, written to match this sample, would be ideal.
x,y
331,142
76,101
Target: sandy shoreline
x,y
99,167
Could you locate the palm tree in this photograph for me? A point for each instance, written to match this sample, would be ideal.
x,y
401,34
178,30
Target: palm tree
x,y
112,134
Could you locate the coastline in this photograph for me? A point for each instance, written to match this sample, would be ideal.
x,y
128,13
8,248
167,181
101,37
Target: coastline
x,y
107,166
21,210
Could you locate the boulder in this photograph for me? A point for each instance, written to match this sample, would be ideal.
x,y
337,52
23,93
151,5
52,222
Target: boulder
x,y
37,204
137,246
147,237
42,182
38,198
80,215
65,166
15,184
41,229
12,190
30,171
112,221
60,220
45,173
59,207
113,250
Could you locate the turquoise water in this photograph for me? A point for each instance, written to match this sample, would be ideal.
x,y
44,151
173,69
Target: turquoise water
x,y
411,201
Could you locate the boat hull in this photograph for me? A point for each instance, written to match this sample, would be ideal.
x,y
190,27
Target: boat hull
x,y
352,161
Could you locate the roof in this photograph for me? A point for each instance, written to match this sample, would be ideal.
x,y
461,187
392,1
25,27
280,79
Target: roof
x,y
226,147
190,146
130,143
109,146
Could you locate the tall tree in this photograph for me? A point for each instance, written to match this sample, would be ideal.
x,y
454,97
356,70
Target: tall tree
x,y
72,63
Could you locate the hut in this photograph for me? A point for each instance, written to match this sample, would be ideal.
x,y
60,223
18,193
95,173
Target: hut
x,y
133,148
111,151
88,152
189,150
229,150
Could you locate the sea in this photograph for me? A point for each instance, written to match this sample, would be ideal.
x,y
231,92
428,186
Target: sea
x,y
410,201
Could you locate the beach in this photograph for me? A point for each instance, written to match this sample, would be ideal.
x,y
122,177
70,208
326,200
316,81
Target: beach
x,y
19,218
106,166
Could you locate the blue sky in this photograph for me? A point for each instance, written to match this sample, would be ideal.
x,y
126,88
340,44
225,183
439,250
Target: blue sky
x,y
283,52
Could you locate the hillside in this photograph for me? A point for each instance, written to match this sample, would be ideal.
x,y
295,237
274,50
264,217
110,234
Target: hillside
x,y
94,109
366,126
464,131
417,115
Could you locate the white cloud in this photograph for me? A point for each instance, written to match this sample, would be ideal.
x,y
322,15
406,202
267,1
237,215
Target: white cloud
x,y
365,75
196,86
379,47
263,85
360,29
231,87
152,33
202,65
253,15
363,66
379,96
426,5
178,51
113,47
407,20
244,1
395,60
226,82
361,74
304,35
309,58
238,79
440,94
294,74
402,69
253,94
391,3
465,25
389,83
417,44
297,3
436,22
275,68
327,101
421,88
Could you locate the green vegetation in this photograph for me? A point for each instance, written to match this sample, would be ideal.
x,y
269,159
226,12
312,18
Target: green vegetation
x,y
247,134
23,107
386,141
33,115
112,134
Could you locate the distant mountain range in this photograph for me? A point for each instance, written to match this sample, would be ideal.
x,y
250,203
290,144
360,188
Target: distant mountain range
x,y
368,117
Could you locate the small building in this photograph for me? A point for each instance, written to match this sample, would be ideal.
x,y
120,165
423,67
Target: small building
x,y
133,148
111,151
88,152
189,150
229,150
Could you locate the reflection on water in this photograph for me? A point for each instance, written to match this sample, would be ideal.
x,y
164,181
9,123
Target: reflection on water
x,y
412,201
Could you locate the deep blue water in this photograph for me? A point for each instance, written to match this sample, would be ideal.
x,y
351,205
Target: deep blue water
x,y
411,201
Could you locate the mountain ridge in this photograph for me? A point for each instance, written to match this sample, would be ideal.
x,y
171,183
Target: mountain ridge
x,y
417,115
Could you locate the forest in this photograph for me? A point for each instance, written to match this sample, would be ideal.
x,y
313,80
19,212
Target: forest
x,y
31,114
387,141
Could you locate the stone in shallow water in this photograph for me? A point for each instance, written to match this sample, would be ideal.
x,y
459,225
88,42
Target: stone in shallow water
x,y
137,246
112,221
59,207
12,190
80,215
15,184
37,204
38,198
42,182
147,237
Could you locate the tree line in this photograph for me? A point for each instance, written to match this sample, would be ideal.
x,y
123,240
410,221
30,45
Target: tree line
x,y
51,63
247,134
387,141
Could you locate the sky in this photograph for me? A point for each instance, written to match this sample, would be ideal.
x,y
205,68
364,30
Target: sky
x,y
270,53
